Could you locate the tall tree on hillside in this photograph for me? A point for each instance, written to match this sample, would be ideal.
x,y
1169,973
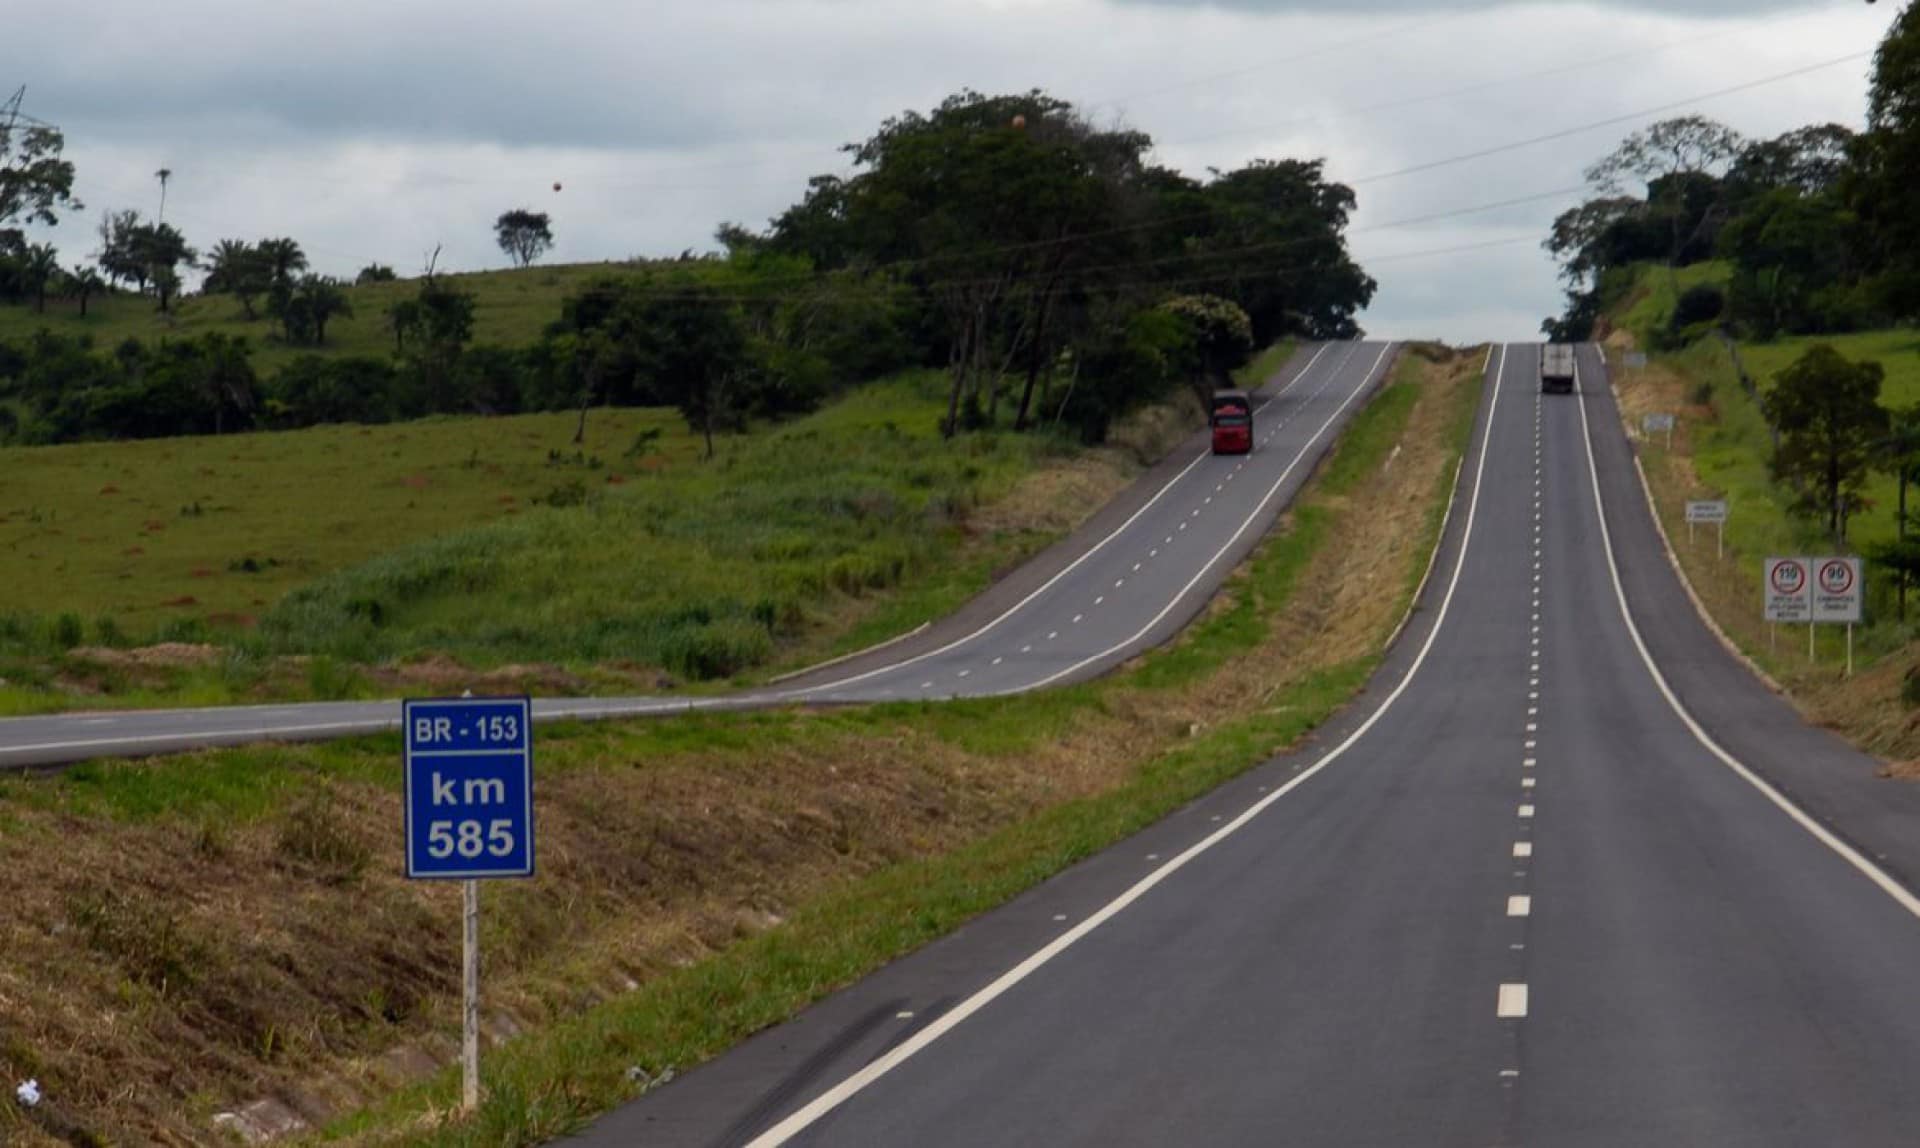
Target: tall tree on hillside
x,y
1676,159
693,346
1899,455
283,258
1883,187
1827,410
162,249
164,175
322,300
120,257
237,268
41,265
523,234
85,282
35,182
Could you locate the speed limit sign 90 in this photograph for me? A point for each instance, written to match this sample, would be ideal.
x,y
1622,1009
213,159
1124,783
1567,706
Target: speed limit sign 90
x,y
1837,590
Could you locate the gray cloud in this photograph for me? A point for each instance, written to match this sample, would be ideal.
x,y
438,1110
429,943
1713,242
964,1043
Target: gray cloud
x,y
372,131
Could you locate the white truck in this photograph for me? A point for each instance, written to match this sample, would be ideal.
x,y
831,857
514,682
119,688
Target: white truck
x,y
1556,368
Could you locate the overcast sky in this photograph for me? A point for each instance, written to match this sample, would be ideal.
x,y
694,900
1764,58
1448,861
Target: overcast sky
x,y
371,130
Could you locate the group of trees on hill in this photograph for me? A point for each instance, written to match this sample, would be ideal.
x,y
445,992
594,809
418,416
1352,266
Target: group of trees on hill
x,y
1046,265
1821,225
1030,237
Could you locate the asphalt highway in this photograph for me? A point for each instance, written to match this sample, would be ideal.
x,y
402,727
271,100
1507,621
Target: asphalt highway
x,y
1566,875
1127,581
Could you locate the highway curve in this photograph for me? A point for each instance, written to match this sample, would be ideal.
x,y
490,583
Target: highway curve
x,y
1127,581
1545,887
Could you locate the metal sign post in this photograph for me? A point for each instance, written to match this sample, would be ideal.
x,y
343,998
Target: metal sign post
x,y
469,817
1714,511
1654,423
1788,586
1838,590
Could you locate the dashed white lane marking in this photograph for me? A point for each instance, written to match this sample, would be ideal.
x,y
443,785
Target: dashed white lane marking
x,y
926,685
997,661
1077,617
1529,762
1059,916
1526,811
1183,526
1533,711
1526,783
1099,599
1136,567
99,721
1156,553
1519,905
1509,1072
1026,649
1119,582
1153,857
903,1015
1206,502
1513,1002
1533,727
1195,514
966,673
1523,848
1169,541
840,1093
1052,635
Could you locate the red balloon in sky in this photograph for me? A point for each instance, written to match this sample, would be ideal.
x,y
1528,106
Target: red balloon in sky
x,y
556,185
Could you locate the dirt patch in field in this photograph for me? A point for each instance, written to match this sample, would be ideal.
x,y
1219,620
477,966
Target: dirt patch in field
x,y
166,655
252,936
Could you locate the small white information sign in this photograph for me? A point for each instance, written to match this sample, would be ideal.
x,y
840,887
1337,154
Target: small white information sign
x,y
1707,512
1655,424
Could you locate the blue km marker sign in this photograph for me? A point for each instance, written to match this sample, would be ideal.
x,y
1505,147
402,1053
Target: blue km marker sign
x,y
469,788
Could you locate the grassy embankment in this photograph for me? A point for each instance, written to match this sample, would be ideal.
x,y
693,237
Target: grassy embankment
x,y
702,877
1721,448
423,548
511,309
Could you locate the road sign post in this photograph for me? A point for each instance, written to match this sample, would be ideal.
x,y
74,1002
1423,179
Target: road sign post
x,y
1788,586
1654,423
1838,591
1714,511
469,818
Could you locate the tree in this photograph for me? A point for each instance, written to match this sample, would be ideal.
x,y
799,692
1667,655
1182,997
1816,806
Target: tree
x,y
35,183
163,175
1883,185
238,268
1899,454
693,346
283,258
85,282
41,265
161,250
1579,236
1676,158
119,256
1220,335
322,300
523,234
375,273
1827,410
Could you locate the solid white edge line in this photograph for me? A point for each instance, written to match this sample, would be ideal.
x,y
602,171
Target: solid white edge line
x,y
1053,581
1259,508
852,1085
1852,856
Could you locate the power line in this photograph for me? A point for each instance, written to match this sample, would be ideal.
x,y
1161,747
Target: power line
x,y
1611,121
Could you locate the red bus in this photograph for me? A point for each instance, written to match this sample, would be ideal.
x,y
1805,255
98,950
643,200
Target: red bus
x,y
1232,422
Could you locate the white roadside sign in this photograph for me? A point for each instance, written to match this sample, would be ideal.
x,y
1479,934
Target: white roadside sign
x,y
1635,359
1789,585
1655,424
1837,590
1707,512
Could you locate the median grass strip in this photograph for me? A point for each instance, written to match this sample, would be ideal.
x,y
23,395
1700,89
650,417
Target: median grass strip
x,y
701,877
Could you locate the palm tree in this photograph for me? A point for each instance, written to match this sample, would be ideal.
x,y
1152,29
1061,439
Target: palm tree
x,y
163,175
42,264
322,299
237,267
282,257
85,282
